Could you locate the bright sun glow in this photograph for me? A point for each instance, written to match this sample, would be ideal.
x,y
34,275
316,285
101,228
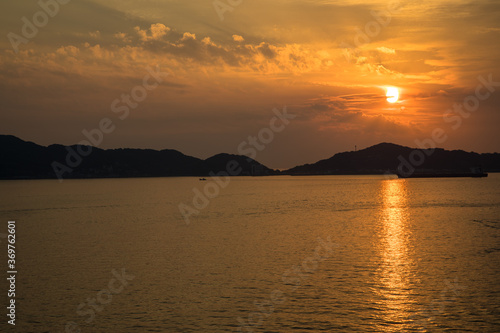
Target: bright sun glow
x,y
392,94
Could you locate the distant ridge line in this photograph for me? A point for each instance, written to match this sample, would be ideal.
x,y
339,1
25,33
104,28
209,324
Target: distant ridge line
x,y
27,160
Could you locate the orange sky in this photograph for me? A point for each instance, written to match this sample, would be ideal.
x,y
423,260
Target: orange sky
x,y
327,61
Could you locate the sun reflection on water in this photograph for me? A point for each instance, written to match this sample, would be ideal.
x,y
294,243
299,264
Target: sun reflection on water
x,y
396,264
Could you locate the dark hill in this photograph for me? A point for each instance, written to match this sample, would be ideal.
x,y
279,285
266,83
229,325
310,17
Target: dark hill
x,y
249,166
387,157
26,160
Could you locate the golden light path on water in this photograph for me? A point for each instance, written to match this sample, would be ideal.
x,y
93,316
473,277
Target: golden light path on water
x,y
396,265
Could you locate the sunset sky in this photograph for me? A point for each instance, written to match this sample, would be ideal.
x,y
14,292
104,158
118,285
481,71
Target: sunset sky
x,y
329,62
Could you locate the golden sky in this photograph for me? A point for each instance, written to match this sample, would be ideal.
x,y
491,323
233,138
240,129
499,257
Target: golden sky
x,y
329,62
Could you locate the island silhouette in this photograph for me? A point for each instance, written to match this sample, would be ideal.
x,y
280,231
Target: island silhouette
x,y
26,160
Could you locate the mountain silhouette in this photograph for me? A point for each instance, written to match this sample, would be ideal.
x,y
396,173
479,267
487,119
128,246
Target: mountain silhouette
x,y
26,160
388,158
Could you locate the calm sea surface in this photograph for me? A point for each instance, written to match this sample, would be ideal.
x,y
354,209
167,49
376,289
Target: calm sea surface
x,y
268,254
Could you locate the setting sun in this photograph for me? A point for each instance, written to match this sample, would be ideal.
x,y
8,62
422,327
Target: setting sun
x,y
392,94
